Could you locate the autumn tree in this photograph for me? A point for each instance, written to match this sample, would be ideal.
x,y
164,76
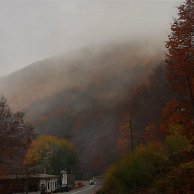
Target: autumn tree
x,y
180,56
135,170
15,136
177,112
52,154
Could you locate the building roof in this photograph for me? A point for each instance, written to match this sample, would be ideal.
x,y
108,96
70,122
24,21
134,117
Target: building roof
x,y
43,176
10,177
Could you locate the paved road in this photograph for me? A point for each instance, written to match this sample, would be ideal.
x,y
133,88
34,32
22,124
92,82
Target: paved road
x,y
87,189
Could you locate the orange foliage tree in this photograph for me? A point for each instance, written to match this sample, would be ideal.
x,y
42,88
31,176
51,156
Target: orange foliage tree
x,y
180,56
177,113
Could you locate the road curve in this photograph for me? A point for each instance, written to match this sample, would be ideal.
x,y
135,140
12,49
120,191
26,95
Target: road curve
x,y
87,189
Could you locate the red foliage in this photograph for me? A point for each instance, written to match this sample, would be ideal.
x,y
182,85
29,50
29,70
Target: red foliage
x,y
180,56
178,112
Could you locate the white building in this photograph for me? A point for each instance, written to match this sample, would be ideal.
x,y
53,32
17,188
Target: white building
x,y
45,182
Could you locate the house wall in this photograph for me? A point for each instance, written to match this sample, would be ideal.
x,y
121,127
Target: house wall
x,y
18,185
50,184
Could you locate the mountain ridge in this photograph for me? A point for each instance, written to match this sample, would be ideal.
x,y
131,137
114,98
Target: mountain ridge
x,y
82,97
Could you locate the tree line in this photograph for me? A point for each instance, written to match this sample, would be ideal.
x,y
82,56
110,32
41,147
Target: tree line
x,y
22,149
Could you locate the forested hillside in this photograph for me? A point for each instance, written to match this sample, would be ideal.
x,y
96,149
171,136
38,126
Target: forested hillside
x,y
82,95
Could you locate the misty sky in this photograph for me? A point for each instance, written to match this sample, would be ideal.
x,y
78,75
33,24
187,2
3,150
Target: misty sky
x,y
32,30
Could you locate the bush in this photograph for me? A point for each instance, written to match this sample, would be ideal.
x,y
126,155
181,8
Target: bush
x,y
135,170
179,180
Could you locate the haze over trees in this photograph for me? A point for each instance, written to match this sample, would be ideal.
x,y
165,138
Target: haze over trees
x,y
92,97
83,95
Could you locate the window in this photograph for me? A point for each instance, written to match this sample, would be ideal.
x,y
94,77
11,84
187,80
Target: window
x,y
43,187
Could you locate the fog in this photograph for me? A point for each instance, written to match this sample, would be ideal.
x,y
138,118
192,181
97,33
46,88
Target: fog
x,y
33,30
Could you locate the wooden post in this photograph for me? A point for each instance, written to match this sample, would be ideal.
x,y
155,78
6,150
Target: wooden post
x,y
26,180
131,131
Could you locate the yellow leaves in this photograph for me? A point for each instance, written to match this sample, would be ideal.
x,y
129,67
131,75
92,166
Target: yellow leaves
x,y
136,169
176,142
43,147
188,165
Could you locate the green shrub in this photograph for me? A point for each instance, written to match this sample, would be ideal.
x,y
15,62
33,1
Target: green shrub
x,y
176,142
135,170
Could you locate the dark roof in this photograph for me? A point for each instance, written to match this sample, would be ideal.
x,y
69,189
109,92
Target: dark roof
x,y
43,176
31,176
12,177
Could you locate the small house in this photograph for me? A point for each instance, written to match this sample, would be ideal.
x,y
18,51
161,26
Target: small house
x,y
32,183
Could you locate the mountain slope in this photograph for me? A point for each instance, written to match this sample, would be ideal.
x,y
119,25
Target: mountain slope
x,y
82,96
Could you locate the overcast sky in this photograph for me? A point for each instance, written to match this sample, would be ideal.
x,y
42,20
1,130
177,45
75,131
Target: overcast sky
x,y
31,30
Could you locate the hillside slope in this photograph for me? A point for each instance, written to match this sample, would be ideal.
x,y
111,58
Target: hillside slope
x,y
82,95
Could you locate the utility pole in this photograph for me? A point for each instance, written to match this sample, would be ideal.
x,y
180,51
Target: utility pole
x,y
26,181
131,131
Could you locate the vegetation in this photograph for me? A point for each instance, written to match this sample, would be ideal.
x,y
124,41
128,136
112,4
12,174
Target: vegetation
x,y
164,164
166,167
180,61
89,111
52,154
15,137
137,171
